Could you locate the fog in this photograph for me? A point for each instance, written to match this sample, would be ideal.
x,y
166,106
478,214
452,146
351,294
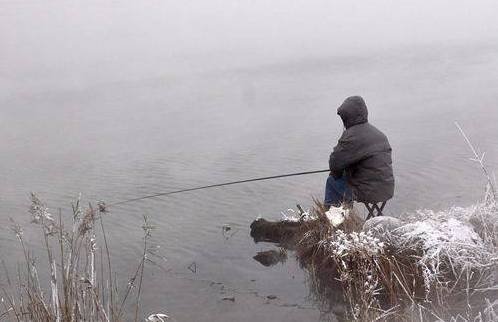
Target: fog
x,y
128,98
80,42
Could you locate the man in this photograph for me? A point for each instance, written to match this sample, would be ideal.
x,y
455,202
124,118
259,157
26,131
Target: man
x,y
361,163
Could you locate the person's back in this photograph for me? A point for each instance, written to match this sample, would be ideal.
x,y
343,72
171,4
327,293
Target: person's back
x,y
362,157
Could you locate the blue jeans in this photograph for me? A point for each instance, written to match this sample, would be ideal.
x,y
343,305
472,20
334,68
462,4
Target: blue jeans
x,y
337,192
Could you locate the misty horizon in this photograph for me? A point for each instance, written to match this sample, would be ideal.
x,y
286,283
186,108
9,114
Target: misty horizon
x,y
78,43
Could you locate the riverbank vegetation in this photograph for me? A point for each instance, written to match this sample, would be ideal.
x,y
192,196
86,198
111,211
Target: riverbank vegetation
x,y
82,285
430,267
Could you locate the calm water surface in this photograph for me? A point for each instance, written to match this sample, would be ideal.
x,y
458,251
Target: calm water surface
x,y
73,128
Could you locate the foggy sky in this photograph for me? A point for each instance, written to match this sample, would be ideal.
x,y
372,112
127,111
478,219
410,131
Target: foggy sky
x,y
85,39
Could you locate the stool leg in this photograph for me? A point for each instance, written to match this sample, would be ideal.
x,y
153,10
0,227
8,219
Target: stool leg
x,y
379,212
370,211
380,208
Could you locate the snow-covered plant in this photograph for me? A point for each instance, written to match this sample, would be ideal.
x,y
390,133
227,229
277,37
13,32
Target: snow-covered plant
x,y
452,249
430,257
347,244
414,268
292,215
337,215
81,284
354,255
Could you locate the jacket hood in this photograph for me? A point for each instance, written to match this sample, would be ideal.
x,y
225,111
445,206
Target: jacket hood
x,y
353,111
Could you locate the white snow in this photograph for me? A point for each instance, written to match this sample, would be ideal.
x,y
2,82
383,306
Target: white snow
x,y
336,215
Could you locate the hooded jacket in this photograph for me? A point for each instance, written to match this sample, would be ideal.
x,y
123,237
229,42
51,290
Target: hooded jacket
x,y
363,155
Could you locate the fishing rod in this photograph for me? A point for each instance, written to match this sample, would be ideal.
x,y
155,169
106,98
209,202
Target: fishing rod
x,y
217,185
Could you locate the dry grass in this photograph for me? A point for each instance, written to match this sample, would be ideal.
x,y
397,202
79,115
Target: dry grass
x,y
405,274
434,267
82,284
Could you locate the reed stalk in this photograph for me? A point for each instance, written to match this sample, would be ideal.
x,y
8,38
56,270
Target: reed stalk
x,y
82,285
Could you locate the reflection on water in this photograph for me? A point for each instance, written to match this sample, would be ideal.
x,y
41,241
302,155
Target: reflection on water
x,y
113,138
120,141
387,269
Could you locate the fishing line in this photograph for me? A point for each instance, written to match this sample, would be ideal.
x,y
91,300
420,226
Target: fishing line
x,y
217,185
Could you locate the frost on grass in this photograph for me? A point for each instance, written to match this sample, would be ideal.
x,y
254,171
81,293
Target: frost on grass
x,y
447,243
82,284
429,259
335,215
41,216
346,244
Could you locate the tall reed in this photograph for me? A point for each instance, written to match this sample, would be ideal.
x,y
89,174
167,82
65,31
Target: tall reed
x,y
81,283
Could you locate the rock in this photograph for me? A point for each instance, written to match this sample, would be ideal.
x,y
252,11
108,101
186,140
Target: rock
x,y
382,224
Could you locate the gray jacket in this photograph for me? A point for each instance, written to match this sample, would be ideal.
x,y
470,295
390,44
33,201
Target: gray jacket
x,y
363,155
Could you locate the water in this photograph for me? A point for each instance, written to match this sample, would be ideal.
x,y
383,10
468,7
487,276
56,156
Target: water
x,y
68,127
